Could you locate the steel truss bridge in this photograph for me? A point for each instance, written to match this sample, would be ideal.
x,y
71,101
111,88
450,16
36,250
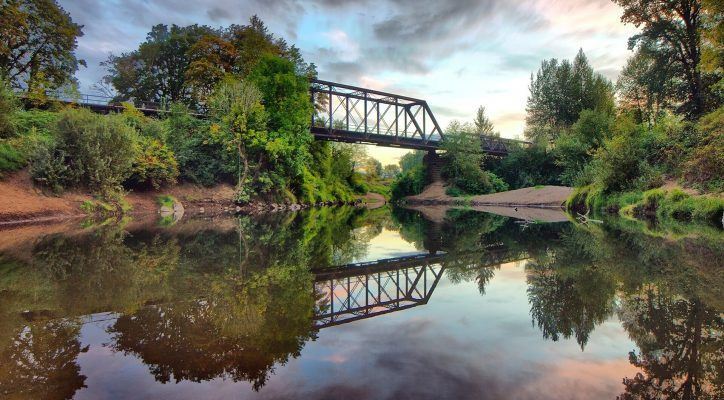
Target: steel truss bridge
x,y
345,113
353,292
342,113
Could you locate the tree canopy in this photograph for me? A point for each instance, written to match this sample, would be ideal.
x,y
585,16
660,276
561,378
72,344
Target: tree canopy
x,y
672,31
185,63
37,50
559,91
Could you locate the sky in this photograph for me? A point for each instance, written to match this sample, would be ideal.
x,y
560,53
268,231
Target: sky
x,y
456,54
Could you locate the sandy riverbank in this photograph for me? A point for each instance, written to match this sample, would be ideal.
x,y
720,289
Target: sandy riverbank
x,y
537,197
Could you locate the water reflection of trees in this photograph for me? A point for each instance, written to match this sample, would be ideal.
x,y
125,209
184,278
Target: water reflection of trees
x,y
196,301
668,293
239,331
235,299
681,349
40,362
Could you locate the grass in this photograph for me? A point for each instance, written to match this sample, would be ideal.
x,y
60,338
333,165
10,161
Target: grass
x,y
11,158
660,203
166,201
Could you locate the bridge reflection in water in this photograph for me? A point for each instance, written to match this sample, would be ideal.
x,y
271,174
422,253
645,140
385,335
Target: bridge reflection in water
x,y
358,291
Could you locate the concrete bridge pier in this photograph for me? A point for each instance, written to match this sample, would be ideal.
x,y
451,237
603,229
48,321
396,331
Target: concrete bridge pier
x,y
433,167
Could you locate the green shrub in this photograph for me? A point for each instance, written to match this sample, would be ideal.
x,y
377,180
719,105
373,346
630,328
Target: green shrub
x,y
97,150
705,164
40,121
496,184
677,195
653,198
454,191
628,160
11,159
166,201
8,107
199,159
49,169
409,183
701,208
154,166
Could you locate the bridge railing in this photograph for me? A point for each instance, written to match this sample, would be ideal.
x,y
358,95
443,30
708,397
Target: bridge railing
x,y
89,100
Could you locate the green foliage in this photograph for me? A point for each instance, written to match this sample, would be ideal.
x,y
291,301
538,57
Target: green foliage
x,y
527,166
154,165
463,167
90,150
496,183
575,148
8,107
410,182
411,160
705,165
645,87
701,209
286,100
242,130
11,159
628,160
39,42
558,94
186,63
674,204
166,201
39,120
200,159
671,32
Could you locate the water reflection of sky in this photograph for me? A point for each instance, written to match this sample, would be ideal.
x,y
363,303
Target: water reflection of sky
x,y
460,345
387,244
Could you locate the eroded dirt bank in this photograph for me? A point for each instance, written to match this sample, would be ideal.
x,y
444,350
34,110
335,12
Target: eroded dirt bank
x,y
538,197
23,203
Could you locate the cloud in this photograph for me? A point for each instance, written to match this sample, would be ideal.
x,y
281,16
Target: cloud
x,y
454,53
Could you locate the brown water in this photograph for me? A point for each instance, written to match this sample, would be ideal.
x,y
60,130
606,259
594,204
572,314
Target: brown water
x,y
369,304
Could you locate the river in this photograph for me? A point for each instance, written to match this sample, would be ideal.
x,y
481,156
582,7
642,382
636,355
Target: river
x,y
341,303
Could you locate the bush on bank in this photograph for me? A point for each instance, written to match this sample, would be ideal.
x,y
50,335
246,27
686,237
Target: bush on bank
x,y
660,203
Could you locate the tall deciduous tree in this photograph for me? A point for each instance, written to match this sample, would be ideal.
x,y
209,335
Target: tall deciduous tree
x,y
674,29
646,85
37,44
237,105
184,64
560,91
156,72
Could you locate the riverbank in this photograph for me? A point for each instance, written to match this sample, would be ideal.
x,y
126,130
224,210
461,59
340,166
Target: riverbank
x,y
536,197
668,202
23,203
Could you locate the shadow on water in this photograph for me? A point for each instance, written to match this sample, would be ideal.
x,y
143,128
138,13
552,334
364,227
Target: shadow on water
x,y
239,298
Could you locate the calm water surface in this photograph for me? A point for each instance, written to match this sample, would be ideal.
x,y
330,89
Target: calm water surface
x,y
365,304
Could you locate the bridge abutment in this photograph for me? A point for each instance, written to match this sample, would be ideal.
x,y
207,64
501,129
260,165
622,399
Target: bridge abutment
x,y
433,167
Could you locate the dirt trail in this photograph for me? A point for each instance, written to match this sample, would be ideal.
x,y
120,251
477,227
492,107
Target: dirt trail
x,y
543,196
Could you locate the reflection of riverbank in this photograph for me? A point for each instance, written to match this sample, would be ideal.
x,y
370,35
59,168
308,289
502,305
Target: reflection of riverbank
x,y
537,197
437,213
